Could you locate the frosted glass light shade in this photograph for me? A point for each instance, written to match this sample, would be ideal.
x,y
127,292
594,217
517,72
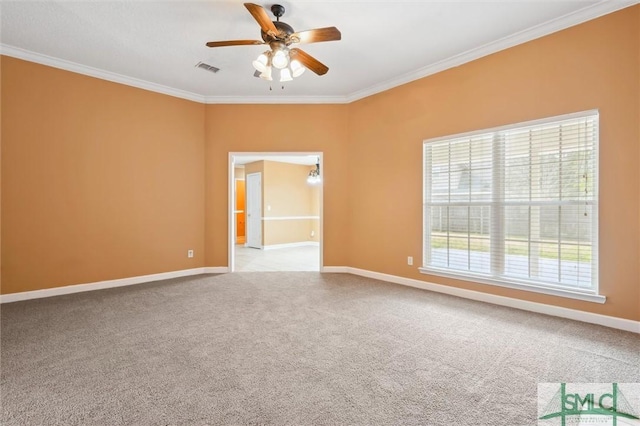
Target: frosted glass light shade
x,y
296,68
280,59
260,64
285,75
266,74
314,180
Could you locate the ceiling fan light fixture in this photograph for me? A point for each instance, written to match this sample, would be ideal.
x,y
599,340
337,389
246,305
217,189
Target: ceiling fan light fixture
x,y
279,36
266,74
297,68
261,63
285,75
314,175
280,59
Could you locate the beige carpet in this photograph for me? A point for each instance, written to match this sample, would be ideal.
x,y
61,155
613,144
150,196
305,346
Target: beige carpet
x,y
296,348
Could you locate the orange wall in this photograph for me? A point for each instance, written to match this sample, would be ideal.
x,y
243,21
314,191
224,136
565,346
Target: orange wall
x,y
103,181
593,65
1,60
286,189
287,231
240,196
315,209
287,193
99,180
277,128
241,188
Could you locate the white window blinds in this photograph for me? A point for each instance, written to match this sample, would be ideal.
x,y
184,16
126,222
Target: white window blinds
x,y
517,204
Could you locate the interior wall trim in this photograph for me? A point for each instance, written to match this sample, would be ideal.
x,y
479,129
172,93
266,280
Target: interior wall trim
x,y
291,245
79,288
588,317
588,13
276,100
289,217
593,11
541,308
215,270
334,269
63,64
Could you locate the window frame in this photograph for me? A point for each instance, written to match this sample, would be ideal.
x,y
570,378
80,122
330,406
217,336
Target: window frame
x,y
591,294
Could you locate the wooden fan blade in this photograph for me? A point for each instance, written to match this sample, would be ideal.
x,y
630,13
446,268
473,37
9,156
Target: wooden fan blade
x,y
308,61
261,16
234,43
317,35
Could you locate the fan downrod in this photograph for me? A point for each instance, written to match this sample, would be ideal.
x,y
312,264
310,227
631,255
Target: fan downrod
x,y
284,29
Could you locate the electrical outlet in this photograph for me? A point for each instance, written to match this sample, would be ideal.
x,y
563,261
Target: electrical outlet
x,y
313,234
189,253
410,260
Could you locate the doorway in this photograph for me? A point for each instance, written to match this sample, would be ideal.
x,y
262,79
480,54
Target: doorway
x,y
283,212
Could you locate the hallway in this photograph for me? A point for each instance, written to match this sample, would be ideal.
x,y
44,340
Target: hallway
x,y
303,258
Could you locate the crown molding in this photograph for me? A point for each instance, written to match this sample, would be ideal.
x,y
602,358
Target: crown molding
x,y
63,64
276,100
588,13
585,14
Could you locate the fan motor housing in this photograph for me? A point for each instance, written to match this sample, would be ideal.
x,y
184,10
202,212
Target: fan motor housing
x,y
284,30
277,10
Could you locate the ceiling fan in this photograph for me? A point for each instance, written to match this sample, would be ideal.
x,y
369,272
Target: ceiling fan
x,y
291,62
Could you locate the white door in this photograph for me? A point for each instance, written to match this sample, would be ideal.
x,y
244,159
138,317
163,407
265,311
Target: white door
x,y
254,210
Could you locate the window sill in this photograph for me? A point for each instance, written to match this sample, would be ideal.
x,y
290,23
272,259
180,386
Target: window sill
x,y
516,284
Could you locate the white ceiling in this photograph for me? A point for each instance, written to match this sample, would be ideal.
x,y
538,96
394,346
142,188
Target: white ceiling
x,y
156,44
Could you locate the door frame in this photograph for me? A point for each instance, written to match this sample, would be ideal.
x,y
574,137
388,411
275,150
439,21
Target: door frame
x,y
231,200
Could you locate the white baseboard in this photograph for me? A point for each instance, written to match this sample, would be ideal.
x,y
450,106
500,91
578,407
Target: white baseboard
x,y
557,311
291,245
334,269
215,270
604,320
79,288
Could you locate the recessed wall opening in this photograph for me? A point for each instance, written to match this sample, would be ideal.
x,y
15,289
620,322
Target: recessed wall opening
x,y
275,211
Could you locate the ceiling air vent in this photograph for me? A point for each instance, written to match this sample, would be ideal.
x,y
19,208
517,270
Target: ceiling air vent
x,y
207,67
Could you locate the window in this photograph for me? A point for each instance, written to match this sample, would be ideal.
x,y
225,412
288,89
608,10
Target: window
x,y
516,206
